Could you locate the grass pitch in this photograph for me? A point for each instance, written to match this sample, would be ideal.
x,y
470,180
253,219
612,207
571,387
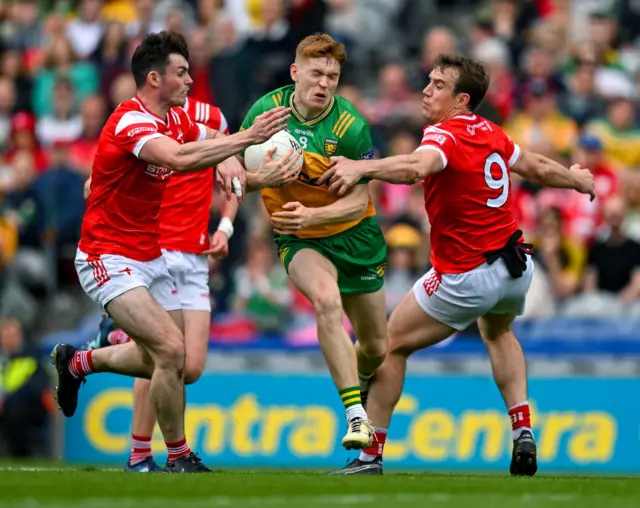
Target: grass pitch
x,y
50,487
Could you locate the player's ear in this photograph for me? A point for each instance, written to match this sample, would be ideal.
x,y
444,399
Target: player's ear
x,y
154,78
463,100
293,70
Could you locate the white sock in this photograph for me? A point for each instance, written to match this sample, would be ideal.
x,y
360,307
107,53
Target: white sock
x,y
356,411
515,434
365,457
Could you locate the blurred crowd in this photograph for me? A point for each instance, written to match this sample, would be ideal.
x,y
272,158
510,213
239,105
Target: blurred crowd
x,y
564,82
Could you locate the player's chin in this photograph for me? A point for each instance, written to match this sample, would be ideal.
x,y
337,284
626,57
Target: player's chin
x,y
179,101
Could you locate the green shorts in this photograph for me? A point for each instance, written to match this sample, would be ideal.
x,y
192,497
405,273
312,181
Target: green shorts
x,y
359,255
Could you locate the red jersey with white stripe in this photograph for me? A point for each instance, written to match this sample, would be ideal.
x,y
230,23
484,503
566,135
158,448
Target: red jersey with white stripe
x,y
469,201
184,216
126,192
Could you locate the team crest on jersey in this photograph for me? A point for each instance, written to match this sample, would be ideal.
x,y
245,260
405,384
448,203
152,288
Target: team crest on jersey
x,y
330,146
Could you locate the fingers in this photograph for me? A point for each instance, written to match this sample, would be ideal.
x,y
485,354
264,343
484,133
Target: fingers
x,y
327,175
228,186
269,156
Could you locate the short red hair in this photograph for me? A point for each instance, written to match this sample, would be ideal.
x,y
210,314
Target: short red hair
x,y
321,46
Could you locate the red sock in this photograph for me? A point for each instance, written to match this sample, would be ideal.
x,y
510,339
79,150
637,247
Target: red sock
x,y
178,449
520,419
118,337
140,449
81,364
377,447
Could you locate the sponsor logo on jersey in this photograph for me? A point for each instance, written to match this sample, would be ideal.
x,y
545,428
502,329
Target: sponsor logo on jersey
x,y
483,126
367,155
437,138
138,130
158,172
330,146
304,133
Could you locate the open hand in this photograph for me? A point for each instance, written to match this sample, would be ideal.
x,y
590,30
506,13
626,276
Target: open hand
x,y
281,172
293,217
268,123
343,174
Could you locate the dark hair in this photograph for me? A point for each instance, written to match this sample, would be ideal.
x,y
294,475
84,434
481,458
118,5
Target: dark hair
x,y
472,77
153,54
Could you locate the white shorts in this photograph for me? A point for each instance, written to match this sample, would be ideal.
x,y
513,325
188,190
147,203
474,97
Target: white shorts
x,y
457,300
190,273
107,276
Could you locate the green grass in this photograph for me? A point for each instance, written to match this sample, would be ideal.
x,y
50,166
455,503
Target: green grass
x,y
97,488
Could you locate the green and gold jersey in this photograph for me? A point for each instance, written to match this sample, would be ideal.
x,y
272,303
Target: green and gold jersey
x,y
338,130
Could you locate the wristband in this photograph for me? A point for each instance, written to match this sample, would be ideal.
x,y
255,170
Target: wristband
x,y
226,226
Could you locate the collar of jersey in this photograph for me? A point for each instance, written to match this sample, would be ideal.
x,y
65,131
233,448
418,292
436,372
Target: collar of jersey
x,y
318,118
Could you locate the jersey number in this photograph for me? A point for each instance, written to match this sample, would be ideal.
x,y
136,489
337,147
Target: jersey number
x,y
303,142
501,183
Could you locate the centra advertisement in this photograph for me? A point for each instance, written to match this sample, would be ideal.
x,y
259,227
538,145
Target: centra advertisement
x,y
441,423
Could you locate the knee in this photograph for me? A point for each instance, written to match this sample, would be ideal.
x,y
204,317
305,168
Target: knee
x,y
171,354
327,305
374,349
192,370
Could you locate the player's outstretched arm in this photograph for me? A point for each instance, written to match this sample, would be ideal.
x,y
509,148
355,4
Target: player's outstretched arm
x,y
164,151
544,171
295,216
406,169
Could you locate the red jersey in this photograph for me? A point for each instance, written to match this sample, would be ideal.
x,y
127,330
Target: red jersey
x,y
469,202
126,192
184,216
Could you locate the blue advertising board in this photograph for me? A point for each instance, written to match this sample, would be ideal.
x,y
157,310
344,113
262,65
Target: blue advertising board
x,y
441,423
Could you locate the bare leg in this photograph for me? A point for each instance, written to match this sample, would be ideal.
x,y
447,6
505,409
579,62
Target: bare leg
x,y
196,327
142,317
368,315
507,359
317,278
410,329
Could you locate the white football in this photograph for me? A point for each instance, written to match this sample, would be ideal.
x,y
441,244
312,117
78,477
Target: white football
x,y
282,141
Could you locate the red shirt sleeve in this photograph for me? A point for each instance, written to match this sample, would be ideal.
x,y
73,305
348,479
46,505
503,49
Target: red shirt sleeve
x,y
434,138
134,129
512,151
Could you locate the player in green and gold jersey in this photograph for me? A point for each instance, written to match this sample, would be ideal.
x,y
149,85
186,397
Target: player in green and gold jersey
x,y
331,247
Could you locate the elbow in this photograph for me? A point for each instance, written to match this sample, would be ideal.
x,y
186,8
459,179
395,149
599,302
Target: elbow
x,y
361,209
178,163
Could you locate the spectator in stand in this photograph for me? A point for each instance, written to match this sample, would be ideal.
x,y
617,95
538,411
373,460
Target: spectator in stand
x,y
580,101
60,61
111,55
581,216
540,127
403,243
560,256
7,107
64,123
82,151
614,259
23,139
25,400
620,134
12,67
395,102
86,30
262,290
